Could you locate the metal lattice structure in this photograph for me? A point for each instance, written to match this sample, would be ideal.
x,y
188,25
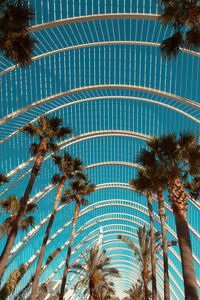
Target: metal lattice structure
x,y
97,65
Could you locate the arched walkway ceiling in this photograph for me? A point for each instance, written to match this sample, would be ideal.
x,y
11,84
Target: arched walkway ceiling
x,y
97,65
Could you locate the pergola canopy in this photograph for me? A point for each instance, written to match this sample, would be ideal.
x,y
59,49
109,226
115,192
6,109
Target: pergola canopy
x,y
97,65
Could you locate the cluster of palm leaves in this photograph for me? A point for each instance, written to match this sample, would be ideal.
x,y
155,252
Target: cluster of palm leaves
x,y
95,275
184,15
15,41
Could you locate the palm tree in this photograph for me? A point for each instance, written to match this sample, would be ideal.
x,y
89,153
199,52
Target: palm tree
x,y
15,41
95,271
135,292
71,168
143,254
144,184
12,281
3,179
155,179
180,157
181,13
11,205
79,190
47,130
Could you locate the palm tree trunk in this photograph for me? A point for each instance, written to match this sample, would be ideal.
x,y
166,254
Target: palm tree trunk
x,y
49,259
91,288
153,259
76,214
42,150
177,197
145,282
46,236
164,241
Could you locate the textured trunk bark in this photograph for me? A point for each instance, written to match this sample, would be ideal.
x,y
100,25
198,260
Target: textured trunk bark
x,y
42,150
164,240
76,214
46,236
189,276
145,289
91,288
177,197
153,258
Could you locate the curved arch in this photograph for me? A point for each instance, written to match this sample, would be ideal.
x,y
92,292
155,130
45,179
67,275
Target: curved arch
x,y
99,87
81,229
107,98
95,44
34,231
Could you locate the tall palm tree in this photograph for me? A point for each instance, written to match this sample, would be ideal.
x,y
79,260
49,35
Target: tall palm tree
x,y
47,130
181,13
95,271
11,205
71,168
154,177
144,184
12,281
179,157
143,254
135,292
15,41
79,190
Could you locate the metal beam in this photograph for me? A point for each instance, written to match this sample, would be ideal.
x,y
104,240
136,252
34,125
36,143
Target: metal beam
x,y
99,87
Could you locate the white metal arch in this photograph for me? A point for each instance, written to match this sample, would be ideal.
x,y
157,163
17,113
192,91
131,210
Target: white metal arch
x,y
99,87
100,43
178,110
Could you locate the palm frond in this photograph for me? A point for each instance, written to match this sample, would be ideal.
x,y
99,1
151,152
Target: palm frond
x,y
57,159
12,281
16,16
29,128
33,149
3,179
171,46
53,147
131,245
193,38
55,179
62,132
28,221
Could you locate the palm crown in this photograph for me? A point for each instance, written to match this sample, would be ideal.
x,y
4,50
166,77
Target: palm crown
x,y
180,156
79,188
72,167
181,13
95,269
49,128
135,292
11,205
15,41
